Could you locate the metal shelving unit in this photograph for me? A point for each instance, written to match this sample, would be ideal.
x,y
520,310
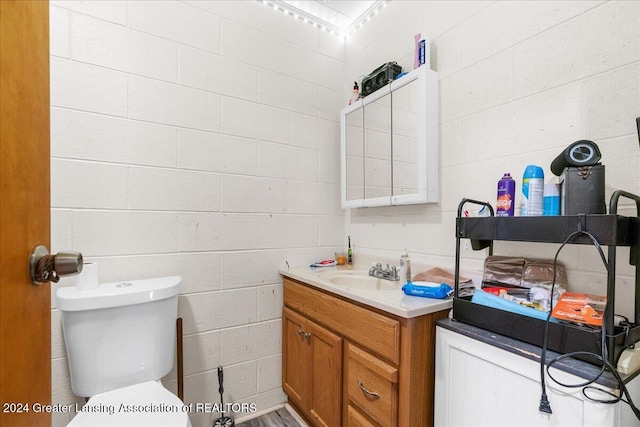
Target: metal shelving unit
x,y
610,230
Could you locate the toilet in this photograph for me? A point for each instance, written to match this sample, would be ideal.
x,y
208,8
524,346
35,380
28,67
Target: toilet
x,y
120,340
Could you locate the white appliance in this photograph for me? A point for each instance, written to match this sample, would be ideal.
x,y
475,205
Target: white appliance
x,y
120,340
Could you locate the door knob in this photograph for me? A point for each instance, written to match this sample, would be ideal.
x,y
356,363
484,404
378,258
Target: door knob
x,y
44,267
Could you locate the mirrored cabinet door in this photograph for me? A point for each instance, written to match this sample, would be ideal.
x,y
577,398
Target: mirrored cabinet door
x,y
377,140
404,141
354,167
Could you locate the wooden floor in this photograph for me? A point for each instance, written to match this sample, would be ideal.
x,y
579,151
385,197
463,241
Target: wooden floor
x,y
278,418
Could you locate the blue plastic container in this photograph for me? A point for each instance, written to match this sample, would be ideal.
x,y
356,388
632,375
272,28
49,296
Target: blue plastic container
x,y
551,201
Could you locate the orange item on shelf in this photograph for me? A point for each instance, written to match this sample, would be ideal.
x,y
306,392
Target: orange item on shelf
x,y
580,308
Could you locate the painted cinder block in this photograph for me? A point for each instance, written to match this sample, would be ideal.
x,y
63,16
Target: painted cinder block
x,y
81,184
112,232
171,104
88,88
208,232
171,189
267,123
113,46
218,74
215,152
250,342
176,21
81,135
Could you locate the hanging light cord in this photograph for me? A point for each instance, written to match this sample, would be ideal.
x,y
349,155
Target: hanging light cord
x,y
605,365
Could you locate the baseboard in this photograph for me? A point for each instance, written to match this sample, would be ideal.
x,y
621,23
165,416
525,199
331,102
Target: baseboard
x,y
260,413
288,407
295,415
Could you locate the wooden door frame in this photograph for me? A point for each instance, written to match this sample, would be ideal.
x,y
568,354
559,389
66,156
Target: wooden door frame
x,y
25,308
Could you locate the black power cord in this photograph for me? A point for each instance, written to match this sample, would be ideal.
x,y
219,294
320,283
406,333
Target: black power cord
x,y
625,397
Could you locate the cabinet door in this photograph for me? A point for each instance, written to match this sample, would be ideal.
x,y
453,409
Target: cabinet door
x,y
326,363
312,369
296,375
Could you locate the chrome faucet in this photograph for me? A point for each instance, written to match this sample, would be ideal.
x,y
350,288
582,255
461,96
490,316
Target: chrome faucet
x,y
384,273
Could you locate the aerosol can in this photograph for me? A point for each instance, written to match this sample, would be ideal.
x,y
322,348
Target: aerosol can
x,y
506,196
532,191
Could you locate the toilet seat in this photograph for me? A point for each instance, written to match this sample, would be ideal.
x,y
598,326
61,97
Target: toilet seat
x,y
145,404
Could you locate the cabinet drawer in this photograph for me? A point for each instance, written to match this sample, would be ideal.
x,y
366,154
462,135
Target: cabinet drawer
x,y
356,419
372,386
371,330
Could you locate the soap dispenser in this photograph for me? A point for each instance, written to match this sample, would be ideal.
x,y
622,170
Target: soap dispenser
x,y
405,267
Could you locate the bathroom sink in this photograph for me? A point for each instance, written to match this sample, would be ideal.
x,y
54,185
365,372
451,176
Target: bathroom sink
x,y
357,280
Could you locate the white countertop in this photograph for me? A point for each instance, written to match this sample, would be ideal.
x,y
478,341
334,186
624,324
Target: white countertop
x,y
392,301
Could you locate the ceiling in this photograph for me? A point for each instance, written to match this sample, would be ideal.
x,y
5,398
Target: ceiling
x,y
338,16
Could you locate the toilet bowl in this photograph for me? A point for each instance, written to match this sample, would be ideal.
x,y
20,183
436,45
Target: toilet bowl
x,y
146,404
120,341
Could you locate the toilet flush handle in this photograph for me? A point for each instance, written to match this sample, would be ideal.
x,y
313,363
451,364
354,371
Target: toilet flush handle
x,y
44,267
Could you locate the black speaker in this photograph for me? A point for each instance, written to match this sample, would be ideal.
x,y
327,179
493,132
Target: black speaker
x,y
580,153
583,190
379,77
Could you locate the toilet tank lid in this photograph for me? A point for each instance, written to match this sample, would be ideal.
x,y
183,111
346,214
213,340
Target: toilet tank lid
x,y
117,294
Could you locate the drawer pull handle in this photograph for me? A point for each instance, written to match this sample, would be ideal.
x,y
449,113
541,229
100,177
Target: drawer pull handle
x,y
367,392
300,332
307,335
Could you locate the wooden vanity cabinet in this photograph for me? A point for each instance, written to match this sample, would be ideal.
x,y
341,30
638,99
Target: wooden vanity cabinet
x,y
348,364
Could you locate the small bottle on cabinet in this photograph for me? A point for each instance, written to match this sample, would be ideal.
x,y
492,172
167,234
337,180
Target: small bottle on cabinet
x,y
356,93
405,268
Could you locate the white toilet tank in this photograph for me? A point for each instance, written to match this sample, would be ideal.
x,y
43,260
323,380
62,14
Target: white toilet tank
x,y
119,334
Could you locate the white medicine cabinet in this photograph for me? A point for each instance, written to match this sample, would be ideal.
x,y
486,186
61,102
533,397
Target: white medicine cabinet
x,y
389,144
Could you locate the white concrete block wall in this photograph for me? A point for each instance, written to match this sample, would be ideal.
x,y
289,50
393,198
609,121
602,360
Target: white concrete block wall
x,y
519,81
201,138
198,139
